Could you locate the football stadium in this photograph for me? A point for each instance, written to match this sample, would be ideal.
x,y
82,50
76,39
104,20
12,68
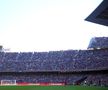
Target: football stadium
x,y
68,70
59,70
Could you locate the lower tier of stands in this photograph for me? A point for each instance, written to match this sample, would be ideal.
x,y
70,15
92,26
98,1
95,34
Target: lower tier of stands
x,y
76,78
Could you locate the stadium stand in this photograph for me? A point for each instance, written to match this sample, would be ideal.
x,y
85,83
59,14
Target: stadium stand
x,y
63,61
98,43
72,67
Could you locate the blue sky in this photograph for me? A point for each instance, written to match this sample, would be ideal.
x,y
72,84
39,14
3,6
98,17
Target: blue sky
x,y
46,25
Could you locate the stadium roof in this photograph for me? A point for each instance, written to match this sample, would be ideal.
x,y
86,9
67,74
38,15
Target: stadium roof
x,y
100,14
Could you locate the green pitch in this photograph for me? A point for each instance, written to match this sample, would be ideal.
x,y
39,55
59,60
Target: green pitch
x,y
52,88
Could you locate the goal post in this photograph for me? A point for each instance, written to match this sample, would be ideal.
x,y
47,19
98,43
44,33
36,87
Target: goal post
x,y
8,82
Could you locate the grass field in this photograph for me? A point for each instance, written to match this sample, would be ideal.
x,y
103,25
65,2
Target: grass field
x,y
52,88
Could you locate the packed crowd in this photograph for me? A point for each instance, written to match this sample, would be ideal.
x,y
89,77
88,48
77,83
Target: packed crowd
x,y
98,42
70,60
66,78
58,66
97,80
42,78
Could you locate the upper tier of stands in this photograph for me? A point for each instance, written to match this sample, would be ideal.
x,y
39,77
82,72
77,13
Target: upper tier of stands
x,y
98,43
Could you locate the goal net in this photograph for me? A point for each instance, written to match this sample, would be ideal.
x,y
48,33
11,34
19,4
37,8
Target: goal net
x,y
8,82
